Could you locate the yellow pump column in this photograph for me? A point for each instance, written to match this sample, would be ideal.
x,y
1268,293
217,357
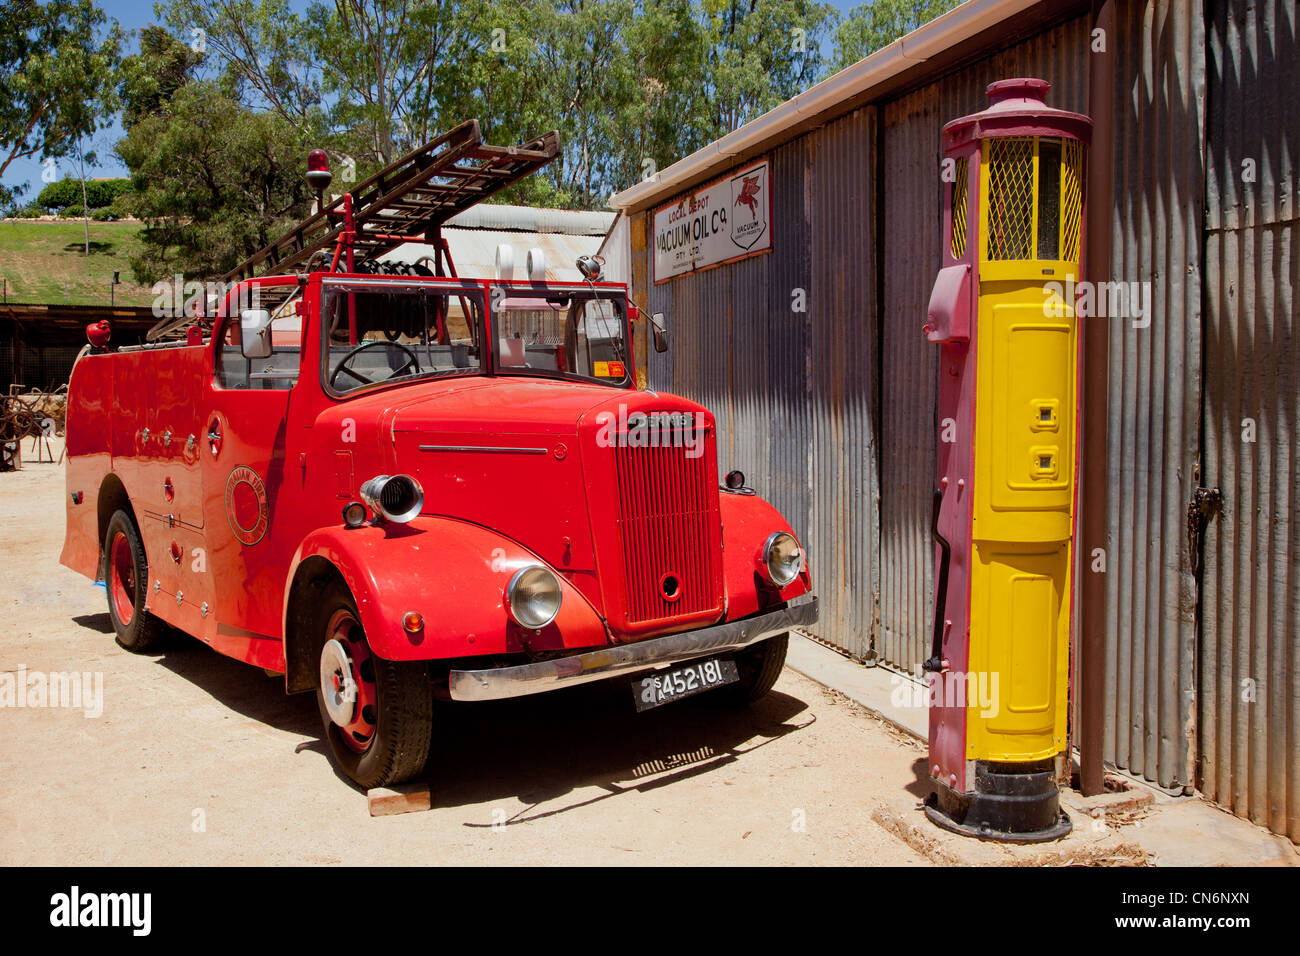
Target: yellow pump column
x,y
1025,443
1002,312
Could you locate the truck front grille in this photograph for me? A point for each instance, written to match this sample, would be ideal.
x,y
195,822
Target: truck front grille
x,y
669,559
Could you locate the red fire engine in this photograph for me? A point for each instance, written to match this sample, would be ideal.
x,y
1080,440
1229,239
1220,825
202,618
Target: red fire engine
x,y
396,485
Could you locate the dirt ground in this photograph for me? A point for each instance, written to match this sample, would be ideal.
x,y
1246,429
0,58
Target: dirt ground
x,y
197,758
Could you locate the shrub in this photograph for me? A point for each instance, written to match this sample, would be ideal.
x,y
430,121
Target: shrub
x,y
66,193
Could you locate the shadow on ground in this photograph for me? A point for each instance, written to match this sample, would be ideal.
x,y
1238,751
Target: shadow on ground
x,y
921,786
543,748
244,689
96,622
96,246
536,749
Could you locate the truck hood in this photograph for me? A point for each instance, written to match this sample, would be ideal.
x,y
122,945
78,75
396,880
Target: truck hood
x,y
510,454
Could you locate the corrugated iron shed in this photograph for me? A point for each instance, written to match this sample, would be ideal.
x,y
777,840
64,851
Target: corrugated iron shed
x,y
831,411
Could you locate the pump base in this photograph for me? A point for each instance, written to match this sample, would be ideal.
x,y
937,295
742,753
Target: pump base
x,y
1011,803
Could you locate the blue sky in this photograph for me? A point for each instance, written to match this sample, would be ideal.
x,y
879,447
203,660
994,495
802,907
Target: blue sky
x,y
132,16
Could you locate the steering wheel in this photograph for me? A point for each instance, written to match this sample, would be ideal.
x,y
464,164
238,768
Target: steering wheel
x,y
411,363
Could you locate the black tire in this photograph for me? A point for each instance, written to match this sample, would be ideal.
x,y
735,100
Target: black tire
x,y
403,730
136,629
759,666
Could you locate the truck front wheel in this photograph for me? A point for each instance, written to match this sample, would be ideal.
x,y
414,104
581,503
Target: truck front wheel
x,y
126,578
377,714
758,666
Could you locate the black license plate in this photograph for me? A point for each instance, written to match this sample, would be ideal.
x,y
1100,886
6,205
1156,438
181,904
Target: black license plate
x,y
664,687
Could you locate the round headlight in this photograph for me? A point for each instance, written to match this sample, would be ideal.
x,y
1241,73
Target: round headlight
x,y
533,596
393,497
783,557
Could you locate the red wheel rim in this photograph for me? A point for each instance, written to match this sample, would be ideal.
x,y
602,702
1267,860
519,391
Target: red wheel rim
x,y
358,732
121,574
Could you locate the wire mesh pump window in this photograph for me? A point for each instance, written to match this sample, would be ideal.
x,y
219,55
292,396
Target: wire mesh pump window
x,y
1071,198
1049,198
1011,198
959,210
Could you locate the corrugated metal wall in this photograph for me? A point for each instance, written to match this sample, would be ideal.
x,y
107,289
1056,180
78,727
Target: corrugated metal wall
x,y
909,366
1250,649
1154,421
794,391
797,392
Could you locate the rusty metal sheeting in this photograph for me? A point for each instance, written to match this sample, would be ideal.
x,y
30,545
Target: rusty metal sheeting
x,y
1154,419
793,391
1249,719
844,365
908,371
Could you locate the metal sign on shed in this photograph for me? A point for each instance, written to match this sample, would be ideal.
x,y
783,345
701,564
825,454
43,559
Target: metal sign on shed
x,y
721,222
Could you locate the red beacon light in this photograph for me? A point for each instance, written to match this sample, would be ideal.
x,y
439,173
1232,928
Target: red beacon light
x,y
318,170
98,333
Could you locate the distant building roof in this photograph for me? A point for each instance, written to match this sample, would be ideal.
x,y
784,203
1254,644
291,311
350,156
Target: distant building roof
x,y
532,219
474,251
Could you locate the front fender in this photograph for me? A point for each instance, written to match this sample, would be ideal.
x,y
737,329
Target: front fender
x,y
747,522
453,573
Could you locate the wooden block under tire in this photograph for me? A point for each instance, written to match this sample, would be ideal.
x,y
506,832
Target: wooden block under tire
x,y
404,798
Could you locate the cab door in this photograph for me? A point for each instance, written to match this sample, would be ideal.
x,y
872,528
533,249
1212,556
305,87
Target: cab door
x,y
253,479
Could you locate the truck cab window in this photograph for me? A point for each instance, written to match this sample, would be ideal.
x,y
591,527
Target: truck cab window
x,y
578,335
278,371
377,333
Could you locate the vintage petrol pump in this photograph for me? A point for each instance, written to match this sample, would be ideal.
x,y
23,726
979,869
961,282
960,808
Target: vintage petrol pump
x,y
1002,314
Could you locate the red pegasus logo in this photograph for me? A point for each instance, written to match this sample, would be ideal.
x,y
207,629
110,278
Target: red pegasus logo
x,y
749,195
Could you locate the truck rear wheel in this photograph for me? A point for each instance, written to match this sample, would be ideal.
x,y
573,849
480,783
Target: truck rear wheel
x,y
758,666
126,578
377,714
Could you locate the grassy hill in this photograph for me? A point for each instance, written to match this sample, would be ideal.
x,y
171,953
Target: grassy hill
x,y
45,262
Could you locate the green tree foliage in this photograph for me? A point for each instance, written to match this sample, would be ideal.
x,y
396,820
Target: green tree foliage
x,y
213,181
57,72
66,193
758,54
875,25
151,78
631,85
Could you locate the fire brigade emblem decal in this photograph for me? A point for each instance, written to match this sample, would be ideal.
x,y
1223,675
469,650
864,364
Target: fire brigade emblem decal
x,y
246,507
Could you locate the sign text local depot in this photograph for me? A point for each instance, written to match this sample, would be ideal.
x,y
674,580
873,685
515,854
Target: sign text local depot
x,y
725,220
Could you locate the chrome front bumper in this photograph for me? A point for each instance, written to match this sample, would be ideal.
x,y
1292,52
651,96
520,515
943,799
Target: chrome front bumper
x,y
501,682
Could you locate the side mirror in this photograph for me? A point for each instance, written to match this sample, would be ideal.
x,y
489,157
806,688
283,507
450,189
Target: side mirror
x,y
255,333
660,331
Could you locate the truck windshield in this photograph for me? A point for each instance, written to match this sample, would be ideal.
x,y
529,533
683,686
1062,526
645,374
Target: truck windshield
x,y
379,332
573,334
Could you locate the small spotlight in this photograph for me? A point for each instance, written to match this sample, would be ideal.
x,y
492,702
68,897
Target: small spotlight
x,y
735,480
413,622
591,267
354,514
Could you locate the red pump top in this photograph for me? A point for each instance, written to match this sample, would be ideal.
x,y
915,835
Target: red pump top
x,y
1018,107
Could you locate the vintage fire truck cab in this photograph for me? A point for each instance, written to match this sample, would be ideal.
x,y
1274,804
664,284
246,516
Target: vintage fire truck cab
x,y
396,489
